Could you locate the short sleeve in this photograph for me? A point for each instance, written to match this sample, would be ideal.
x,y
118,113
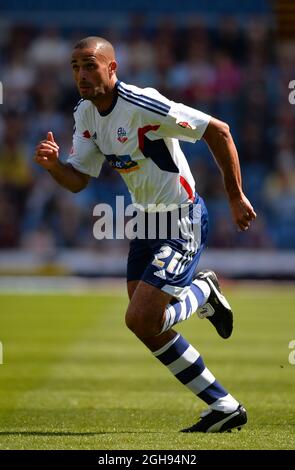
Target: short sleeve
x,y
185,123
176,120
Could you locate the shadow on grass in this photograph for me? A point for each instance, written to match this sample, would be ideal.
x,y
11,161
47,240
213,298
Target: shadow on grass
x,y
65,433
86,422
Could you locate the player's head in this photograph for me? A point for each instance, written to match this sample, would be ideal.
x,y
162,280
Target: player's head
x,y
94,67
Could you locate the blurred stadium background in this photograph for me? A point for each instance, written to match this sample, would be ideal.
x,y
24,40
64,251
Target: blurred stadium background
x,y
233,60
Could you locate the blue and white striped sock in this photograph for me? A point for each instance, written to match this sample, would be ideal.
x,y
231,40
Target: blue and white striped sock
x,y
187,365
177,312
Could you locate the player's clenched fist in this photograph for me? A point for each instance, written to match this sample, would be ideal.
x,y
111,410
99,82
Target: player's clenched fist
x,y
243,212
46,153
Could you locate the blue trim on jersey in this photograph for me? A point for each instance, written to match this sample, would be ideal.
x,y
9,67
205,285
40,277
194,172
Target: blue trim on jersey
x,y
141,105
77,105
158,151
148,99
143,101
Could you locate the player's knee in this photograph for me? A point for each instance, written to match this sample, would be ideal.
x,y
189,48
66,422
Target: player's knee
x,y
141,326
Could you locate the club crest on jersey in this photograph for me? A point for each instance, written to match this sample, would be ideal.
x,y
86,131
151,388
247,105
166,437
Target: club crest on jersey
x,y
184,125
122,135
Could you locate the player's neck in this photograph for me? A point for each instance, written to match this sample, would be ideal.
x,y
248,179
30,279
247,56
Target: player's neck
x,y
106,102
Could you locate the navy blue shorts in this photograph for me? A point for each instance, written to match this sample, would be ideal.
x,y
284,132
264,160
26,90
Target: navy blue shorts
x,y
169,264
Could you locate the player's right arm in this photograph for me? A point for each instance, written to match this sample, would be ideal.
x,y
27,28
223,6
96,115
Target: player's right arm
x,y
85,159
66,175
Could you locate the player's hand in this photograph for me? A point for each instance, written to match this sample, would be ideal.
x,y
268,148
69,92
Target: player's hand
x,y
242,212
46,153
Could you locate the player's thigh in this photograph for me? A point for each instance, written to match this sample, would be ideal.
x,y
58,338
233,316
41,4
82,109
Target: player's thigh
x,y
146,310
138,259
131,286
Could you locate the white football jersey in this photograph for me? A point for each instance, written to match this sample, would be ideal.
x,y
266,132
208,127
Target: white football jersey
x,y
139,136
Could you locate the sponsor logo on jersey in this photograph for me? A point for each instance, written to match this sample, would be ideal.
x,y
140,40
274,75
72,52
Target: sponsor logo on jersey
x,y
122,163
184,125
122,135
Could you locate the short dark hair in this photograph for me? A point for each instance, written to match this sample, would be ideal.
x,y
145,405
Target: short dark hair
x,y
93,41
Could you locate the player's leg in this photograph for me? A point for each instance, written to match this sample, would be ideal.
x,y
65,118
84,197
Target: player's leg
x,y
159,287
144,318
177,311
145,313
202,298
213,306
200,292
201,295
139,257
206,299
131,286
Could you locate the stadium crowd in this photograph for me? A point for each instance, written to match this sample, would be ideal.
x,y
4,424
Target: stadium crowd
x,y
238,72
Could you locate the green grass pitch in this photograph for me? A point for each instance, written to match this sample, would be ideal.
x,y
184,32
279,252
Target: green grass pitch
x,y
74,377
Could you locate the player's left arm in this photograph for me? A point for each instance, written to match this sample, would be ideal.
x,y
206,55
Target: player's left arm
x,y
219,139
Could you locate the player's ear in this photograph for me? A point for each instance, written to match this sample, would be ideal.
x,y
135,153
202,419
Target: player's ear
x,y
113,67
